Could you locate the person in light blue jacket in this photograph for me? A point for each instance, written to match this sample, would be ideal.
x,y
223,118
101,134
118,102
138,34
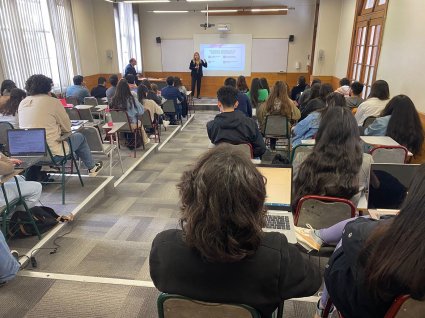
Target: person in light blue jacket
x,y
378,127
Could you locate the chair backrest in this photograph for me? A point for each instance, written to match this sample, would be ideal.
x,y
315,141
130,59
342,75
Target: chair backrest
x,y
322,211
175,306
121,116
72,100
276,126
245,148
368,121
298,155
406,307
4,127
168,106
146,119
93,139
389,154
85,114
73,113
90,101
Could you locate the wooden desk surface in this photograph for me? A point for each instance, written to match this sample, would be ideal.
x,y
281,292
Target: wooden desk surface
x,y
379,141
114,128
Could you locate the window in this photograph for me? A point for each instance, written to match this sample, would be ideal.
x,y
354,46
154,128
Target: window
x,y
126,19
366,43
37,37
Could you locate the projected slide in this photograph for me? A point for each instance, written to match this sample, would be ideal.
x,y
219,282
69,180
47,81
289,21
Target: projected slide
x,y
224,57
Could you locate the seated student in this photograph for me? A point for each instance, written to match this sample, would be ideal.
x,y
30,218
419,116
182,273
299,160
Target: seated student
x,y
344,87
131,80
40,110
9,112
226,257
375,103
170,92
299,88
5,89
78,90
100,90
244,104
179,85
306,95
257,94
337,167
110,92
232,126
125,100
30,190
9,264
242,85
264,84
400,121
375,260
152,95
278,103
148,104
355,98
318,102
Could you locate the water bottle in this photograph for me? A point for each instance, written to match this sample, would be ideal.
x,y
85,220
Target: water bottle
x,y
109,118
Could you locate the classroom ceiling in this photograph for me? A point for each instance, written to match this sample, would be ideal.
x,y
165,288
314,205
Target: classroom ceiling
x,y
183,5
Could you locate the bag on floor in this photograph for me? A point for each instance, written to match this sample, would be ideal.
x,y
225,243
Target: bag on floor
x,y
280,160
130,142
44,217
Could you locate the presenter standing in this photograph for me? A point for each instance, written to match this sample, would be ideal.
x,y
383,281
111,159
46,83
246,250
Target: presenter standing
x,y
195,66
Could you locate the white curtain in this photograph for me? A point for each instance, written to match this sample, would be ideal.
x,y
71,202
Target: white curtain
x,y
37,37
127,34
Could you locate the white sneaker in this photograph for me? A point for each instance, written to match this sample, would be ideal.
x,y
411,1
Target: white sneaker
x,y
95,170
307,238
147,141
165,123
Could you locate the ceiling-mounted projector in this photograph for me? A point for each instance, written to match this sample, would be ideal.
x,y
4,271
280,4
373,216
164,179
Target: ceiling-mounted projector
x,y
223,27
207,25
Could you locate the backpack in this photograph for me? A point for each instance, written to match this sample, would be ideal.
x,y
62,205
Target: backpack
x,y
45,218
280,160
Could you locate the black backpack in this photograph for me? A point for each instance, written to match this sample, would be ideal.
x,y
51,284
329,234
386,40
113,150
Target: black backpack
x,y
44,217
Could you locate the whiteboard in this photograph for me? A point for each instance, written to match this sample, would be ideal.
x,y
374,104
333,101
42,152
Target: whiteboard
x,y
176,55
269,55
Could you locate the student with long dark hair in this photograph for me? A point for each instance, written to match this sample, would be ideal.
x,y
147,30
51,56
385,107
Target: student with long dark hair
x,y
151,93
125,100
257,94
313,92
337,166
317,103
241,84
299,88
375,260
221,246
400,121
9,112
264,84
148,104
375,103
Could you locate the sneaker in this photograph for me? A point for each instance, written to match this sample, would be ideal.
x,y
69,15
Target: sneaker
x,y
95,170
165,123
307,238
147,141
152,136
15,254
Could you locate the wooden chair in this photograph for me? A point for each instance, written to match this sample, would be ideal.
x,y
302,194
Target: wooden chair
x,y
122,116
277,126
151,125
389,154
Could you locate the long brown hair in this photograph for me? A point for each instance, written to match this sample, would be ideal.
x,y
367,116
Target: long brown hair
x,y
394,254
279,95
223,205
12,105
123,97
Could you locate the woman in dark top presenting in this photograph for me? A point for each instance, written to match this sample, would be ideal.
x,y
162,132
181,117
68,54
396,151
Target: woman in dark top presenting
x,y
221,253
195,66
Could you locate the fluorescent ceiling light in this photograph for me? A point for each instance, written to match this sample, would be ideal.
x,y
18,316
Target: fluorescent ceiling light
x,y
219,10
269,10
205,0
164,11
145,1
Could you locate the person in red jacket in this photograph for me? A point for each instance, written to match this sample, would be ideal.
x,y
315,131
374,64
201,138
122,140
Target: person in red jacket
x,y
221,254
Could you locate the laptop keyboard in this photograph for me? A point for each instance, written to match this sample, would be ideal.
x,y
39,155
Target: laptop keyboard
x,y
279,222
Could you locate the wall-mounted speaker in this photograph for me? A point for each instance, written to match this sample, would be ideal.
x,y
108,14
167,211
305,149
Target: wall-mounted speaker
x,y
158,39
109,54
291,38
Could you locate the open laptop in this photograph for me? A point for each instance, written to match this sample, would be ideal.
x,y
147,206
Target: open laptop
x,y
388,187
27,145
279,199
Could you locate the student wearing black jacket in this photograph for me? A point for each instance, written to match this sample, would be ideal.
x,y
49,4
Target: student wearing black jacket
x,y
195,67
226,257
233,126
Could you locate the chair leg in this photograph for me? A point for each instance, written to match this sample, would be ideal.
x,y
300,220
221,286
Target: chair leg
x,y
63,183
78,170
135,142
119,157
110,162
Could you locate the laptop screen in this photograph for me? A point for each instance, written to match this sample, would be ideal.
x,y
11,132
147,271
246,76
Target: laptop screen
x,y
388,185
278,186
27,142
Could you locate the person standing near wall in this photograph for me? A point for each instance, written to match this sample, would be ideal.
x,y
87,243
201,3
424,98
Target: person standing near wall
x,y
195,66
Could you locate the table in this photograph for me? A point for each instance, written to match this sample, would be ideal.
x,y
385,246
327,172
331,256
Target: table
x,y
84,106
114,130
77,124
379,141
308,142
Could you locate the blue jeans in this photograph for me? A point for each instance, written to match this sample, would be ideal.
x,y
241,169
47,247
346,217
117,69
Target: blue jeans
x,y
8,264
81,149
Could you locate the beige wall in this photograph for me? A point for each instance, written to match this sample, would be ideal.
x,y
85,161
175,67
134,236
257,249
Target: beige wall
x,y
173,26
327,37
402,62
